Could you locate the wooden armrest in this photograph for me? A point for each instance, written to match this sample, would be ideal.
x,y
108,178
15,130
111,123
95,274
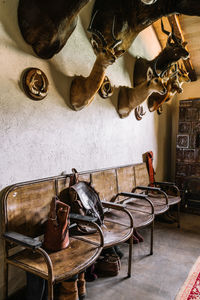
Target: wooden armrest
x,y
22,240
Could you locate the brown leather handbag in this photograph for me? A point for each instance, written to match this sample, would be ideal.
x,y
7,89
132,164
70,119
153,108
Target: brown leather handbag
x,y
56,235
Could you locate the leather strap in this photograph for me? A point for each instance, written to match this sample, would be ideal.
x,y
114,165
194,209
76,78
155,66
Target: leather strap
x,y
150,167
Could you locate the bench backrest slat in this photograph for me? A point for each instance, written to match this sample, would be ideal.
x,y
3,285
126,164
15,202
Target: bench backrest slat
x,y
26,205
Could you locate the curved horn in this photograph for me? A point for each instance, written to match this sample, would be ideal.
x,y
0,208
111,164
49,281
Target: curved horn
x,y
163,29
116,42
96,32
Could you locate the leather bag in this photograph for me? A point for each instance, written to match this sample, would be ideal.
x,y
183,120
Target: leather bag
x,y
83,200
108,265
56,235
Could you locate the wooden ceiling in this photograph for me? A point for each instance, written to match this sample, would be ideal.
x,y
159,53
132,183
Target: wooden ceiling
x,y
187,28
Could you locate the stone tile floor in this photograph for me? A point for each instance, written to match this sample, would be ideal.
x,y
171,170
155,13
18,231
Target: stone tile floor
x,y
156,277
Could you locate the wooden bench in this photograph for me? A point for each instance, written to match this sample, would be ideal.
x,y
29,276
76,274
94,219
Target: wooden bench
x,y
25,211
26,207
116,184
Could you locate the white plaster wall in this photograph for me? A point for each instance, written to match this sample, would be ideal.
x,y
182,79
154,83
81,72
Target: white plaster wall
x,y
44,138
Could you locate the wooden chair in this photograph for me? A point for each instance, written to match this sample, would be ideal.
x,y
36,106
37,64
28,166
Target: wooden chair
x,y
114,232
116,229
25,210
162,192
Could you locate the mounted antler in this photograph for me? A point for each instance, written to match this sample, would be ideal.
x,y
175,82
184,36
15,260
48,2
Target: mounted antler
x,y
177,77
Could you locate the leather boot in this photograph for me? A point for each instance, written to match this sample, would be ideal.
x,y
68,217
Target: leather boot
x,y
68,291
81,283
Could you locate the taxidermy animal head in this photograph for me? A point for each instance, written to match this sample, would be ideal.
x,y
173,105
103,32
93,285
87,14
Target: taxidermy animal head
x,y
130,98
47,24
176,77
114,26
173,51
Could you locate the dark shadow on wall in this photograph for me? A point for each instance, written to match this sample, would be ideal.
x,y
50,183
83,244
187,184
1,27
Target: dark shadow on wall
x,y
164,129
62,82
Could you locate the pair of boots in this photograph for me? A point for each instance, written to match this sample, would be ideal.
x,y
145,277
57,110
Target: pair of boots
x,y
72,290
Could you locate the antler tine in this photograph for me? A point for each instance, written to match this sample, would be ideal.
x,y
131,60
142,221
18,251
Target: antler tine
x,y
163,29
174,37
95,31
116,42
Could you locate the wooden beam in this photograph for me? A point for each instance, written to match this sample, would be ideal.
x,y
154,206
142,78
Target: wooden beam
x,y
174,21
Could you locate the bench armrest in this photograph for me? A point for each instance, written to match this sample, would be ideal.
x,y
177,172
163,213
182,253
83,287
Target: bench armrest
x,y
164,183
88,221
147,188
137,196
82,219
171,185
22,240
132,195
118,207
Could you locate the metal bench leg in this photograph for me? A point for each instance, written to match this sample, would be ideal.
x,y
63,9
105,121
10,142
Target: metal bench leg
x,y
5,286
178,215
151,243
130,255
50,290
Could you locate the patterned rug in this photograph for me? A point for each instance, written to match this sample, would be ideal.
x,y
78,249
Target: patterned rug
x,y
191,288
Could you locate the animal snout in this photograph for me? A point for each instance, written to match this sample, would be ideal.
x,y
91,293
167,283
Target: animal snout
x,y
186,56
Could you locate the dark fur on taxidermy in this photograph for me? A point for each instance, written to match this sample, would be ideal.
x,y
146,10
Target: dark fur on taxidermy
x,y
173,51
47,24
114,26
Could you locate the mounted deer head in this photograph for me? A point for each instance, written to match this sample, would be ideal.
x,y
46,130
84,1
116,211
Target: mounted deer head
x,y
115,25
176,77
47,24
83,89
173,51
130,98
